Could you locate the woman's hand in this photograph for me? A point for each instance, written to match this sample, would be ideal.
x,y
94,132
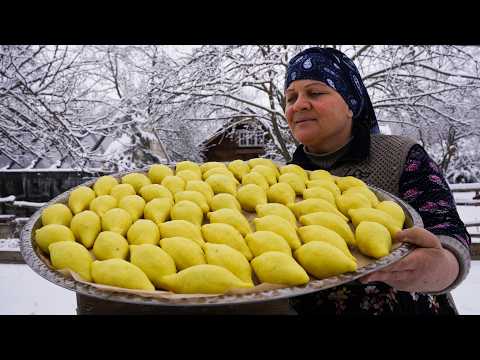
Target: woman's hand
x,y
429,268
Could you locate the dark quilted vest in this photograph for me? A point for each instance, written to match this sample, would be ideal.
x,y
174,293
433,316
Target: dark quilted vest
x,y
384,165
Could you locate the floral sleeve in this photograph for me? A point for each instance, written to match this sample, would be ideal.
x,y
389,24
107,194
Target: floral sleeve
x,y
424,187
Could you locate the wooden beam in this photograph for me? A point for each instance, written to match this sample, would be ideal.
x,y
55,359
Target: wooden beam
x,y
467,203
465,187
10,252
11,257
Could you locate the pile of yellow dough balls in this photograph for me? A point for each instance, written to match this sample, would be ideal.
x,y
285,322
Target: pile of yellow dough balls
x,y
187,230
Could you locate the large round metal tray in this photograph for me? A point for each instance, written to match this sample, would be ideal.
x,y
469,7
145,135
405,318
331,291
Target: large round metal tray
x,y
31,254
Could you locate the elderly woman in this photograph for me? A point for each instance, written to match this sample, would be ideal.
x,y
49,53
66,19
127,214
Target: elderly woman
x,y
330,113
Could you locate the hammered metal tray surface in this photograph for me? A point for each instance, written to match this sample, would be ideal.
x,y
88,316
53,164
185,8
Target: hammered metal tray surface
x,y
31,254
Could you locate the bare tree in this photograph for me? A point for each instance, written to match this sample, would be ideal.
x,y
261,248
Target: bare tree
x,y
224,82
67,101
134,74
72,100
49,104
413,88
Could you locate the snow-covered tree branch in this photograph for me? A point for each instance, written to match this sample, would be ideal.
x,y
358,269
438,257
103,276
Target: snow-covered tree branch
x,y
127,106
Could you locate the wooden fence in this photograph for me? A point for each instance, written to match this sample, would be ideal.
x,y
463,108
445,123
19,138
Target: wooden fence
x,y
475,201
32,186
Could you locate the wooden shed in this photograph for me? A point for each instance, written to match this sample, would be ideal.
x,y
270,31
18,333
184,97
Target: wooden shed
x,y
237,139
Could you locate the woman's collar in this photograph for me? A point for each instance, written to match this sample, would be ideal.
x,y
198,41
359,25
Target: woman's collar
x,y
329,154
358,150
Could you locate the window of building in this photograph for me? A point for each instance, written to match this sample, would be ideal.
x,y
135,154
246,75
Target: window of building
x,y
250,138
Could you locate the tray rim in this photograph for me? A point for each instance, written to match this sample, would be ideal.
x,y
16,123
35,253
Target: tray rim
x,y
29,250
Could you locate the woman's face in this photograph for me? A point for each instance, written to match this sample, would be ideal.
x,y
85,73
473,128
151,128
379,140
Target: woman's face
x,y
317,115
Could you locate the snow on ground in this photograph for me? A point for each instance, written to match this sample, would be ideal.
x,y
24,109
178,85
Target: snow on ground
x,y
467,294
23,292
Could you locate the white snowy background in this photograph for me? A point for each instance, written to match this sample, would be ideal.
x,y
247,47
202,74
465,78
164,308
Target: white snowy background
x,y
126,106
123,107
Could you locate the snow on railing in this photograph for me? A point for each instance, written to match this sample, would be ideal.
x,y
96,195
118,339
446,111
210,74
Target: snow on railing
x,y
7,199
6,219
10,251
467,202
465,187
28,204
470,187
12,201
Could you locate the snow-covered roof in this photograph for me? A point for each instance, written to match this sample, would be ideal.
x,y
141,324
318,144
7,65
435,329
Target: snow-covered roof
x,y
228,125
119,145
52,160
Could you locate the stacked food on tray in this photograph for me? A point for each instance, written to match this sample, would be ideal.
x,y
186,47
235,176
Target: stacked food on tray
x,y
217,227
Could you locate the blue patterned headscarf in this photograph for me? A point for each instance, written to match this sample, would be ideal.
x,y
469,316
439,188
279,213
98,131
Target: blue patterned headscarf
x,y
336,70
